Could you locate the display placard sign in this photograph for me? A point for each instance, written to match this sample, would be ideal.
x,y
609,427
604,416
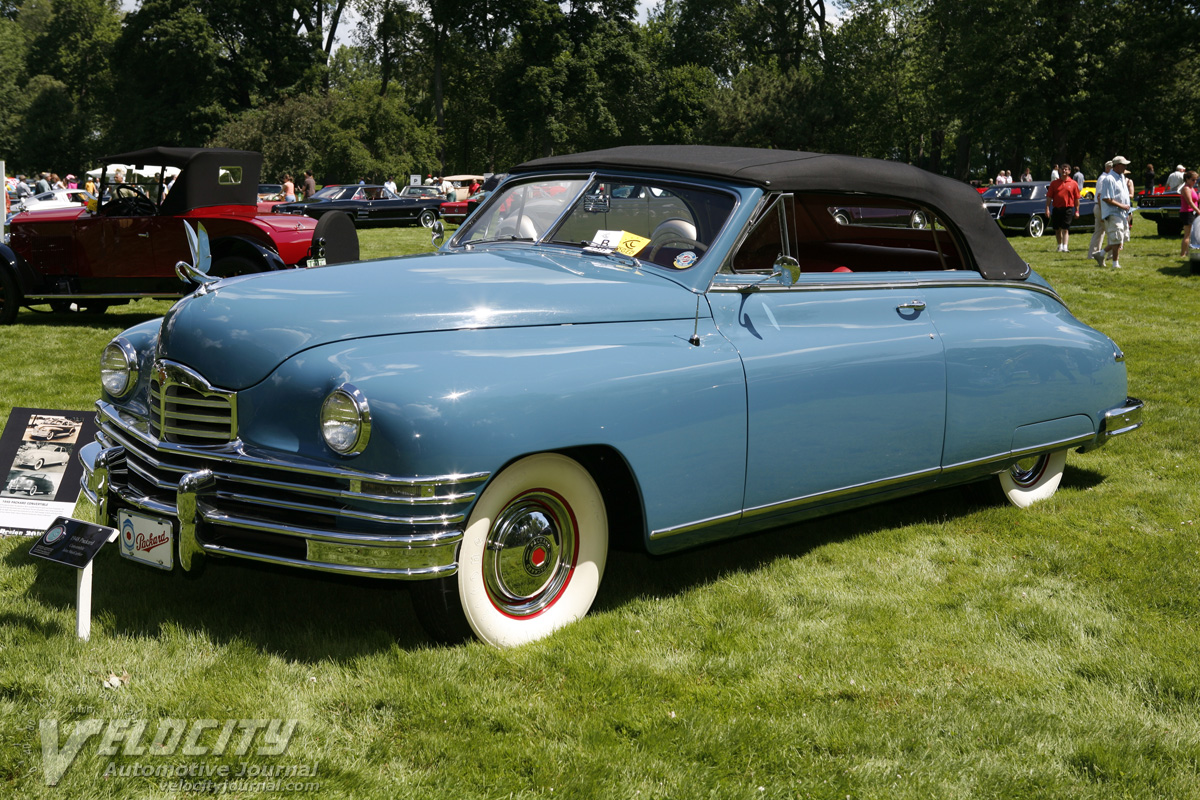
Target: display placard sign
x,y
39,467
72,542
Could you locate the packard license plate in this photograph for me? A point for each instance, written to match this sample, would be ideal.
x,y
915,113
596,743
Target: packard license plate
x,y
150,540
316,262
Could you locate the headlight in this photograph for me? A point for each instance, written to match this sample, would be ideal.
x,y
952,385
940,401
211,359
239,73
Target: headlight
x,y
118,368
346,420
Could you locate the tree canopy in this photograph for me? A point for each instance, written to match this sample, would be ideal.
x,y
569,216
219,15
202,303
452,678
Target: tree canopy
x,y
959,87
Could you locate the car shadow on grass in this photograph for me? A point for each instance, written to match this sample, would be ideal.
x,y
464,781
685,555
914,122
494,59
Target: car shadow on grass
x,y
309,617
1183,269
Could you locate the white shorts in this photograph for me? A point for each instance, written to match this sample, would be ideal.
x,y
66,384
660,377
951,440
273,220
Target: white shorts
x,y
1116,228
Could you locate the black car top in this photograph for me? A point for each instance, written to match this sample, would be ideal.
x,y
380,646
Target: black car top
x,y
791,171
209,176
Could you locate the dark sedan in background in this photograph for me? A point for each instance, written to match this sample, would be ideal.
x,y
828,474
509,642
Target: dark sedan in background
x,y
1021,208
1162,208
367,205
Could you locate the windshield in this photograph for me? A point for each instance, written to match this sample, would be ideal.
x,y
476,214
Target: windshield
x,y
668,224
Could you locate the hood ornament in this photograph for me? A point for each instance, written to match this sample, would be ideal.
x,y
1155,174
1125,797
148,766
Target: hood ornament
x,y
197,271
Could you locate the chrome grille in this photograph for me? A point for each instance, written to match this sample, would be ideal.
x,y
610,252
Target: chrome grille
x,y
260,506
187,410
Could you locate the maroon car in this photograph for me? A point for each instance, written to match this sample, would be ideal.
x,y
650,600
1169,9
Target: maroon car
x,y
126,245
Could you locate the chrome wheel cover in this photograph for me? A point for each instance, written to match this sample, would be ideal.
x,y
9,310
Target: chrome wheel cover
x,y
530,553
1028,471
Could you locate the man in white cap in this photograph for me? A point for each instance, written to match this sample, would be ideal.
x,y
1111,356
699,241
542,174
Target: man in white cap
x,y
1095,246
1113,195
1175,179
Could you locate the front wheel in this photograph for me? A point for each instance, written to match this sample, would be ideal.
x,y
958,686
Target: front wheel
x,y
38,464
531,559
10,296
427,218
229,266
1033,479
1036,226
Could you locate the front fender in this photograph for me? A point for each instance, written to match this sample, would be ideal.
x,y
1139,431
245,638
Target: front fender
x,y
467,401
246,247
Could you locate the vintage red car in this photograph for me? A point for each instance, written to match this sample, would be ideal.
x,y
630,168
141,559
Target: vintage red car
x,y
126,245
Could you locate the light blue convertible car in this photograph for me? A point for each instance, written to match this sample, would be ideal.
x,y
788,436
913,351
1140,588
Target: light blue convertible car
x,y
649,347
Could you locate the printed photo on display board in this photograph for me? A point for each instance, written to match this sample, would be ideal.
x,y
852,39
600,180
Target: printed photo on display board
x,y
39,467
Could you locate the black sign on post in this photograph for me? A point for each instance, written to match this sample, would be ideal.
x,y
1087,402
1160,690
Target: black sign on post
x,y
75,543
71,542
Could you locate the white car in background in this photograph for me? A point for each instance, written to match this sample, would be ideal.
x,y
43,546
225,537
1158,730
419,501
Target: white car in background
x,y
55,198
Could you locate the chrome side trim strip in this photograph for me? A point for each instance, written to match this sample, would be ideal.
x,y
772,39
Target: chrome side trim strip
x,y
694,526
847,286
833,494
136,296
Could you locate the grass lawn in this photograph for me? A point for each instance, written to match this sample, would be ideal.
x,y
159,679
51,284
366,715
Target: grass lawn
x,y
926,648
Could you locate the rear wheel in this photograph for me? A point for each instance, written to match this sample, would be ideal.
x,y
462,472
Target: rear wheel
x,y
1033,479
427,218
531,559
1036,226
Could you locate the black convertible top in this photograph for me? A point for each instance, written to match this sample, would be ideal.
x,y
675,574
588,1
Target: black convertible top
x,y
790,171
199,182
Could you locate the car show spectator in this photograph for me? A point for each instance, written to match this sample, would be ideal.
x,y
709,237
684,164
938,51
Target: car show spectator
x,y
289,189
43,183
1026,176
1175,179
447,189
1077,176
1148,179
1113,194
89,185
1054,172
1188,209
1097,243
390,184
310,183
1000,179
1062,206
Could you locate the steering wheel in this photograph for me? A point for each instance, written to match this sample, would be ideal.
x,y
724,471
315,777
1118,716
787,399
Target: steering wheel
x,y
675,241
129,201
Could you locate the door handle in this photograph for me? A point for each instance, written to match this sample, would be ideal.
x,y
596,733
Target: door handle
x,y
143,236
915,305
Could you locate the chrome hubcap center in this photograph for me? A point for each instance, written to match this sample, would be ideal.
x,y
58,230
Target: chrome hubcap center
x,y
529,554
1027,471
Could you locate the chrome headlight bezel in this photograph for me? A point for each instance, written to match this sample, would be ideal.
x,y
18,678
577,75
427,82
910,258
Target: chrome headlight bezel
x,y
345,420
119,376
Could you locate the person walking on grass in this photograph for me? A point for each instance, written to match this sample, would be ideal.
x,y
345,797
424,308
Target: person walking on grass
x,y
1113,194
1188,209
1062,206
1096,245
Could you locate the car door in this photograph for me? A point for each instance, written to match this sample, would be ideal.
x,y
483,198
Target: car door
x,y
845,386
115,246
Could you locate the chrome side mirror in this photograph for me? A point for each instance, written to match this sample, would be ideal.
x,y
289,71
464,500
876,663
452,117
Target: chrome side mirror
x,y
787,270
437,233
197,271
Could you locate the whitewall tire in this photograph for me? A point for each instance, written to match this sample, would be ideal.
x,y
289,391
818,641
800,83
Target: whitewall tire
x,y
534,551
1033,479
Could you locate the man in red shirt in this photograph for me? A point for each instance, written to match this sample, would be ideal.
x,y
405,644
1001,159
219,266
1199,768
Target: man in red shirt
x,y
1062,206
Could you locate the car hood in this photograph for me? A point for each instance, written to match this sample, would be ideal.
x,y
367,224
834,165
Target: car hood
x,y
238,332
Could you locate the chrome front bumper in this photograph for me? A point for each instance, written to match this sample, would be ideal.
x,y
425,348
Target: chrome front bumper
x,y
330,521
